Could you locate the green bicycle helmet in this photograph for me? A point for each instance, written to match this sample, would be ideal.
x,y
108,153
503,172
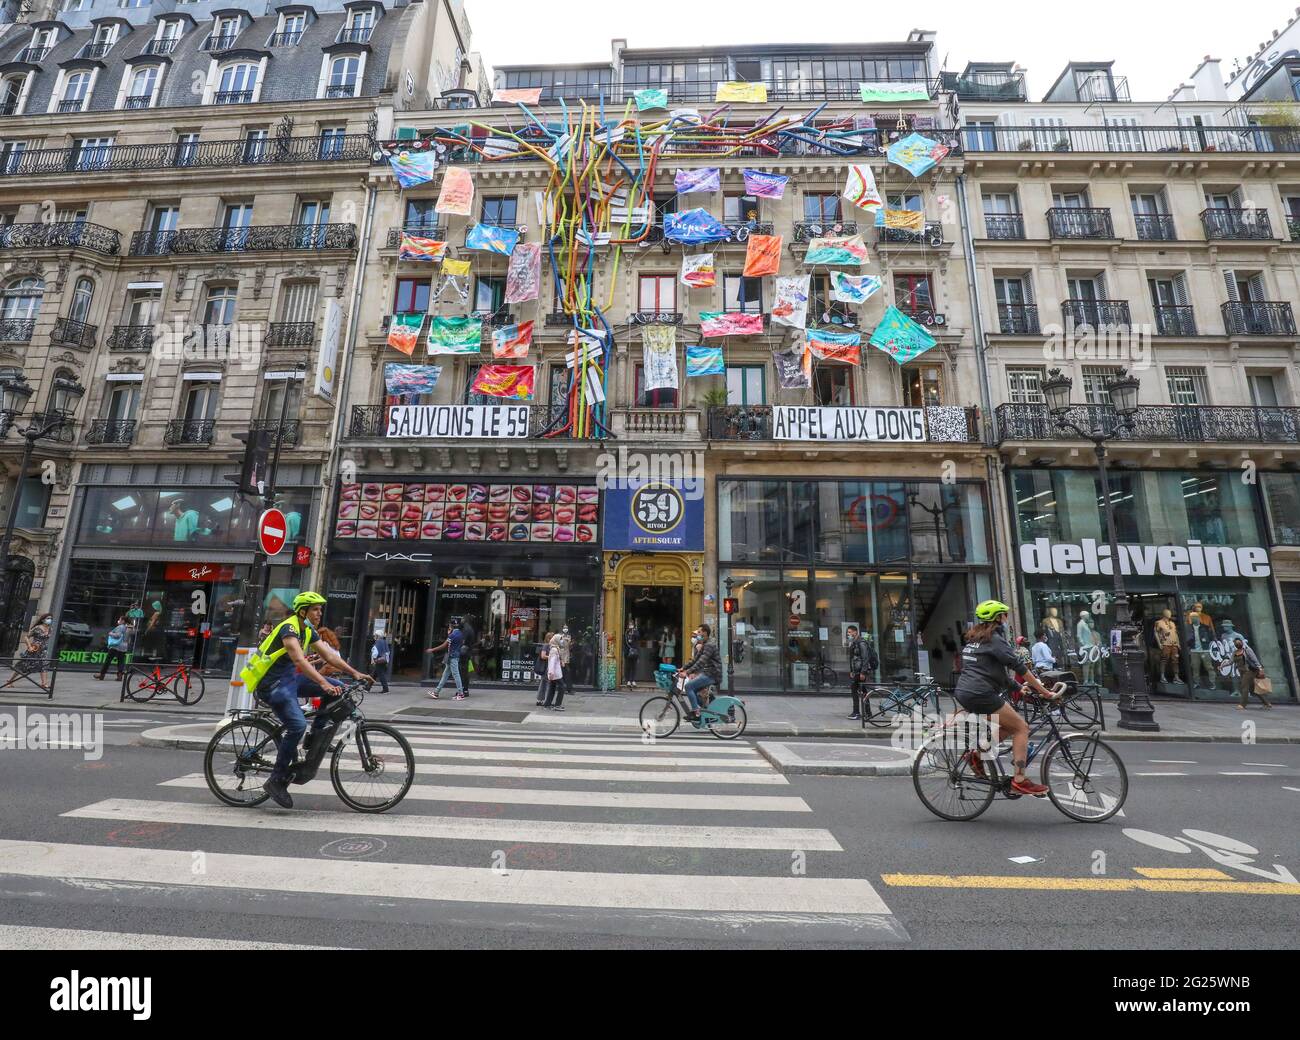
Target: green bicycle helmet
x,y
990,609
307,599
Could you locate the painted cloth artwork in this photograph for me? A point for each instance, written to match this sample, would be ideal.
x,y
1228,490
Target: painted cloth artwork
x,y
793,367
905,220
485,238
845,347
847,288
707,179
833,251
750,93
659,357
763,256
512,341
900,337
790,306
413,168
651,98
703,361
861,190
888,92
455,336
455,268
718,323
458,285
403,331
457,194
764,185
917,154
695,226
524,277
410,380
698,271
515,382
518,96
412,247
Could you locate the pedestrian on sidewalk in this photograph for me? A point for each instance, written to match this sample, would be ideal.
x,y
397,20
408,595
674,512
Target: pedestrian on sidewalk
x,y
469,640
540,666
451,669
380,656
565,642
33,655
118,646
631,653
863,662
1250,671
555,673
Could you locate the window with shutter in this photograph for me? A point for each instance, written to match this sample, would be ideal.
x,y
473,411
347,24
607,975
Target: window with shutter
x,y
299,303
1025,385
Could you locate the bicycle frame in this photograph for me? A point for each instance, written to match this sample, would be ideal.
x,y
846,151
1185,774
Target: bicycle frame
x,y
342,709
716,710
1001,779
918,697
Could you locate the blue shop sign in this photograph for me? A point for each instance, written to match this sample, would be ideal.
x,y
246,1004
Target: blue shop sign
x,y
654,516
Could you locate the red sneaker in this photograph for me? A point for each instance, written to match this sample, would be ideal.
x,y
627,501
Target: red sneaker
x,y
1028,787
972,759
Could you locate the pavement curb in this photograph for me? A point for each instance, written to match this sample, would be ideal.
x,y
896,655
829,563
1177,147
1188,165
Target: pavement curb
x,y
811,767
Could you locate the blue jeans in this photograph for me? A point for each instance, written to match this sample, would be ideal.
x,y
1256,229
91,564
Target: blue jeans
x,y
700,682
450,670
283,700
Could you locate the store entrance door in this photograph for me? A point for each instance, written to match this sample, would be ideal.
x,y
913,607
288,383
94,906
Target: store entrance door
x,y
402,607
655,613
1148,609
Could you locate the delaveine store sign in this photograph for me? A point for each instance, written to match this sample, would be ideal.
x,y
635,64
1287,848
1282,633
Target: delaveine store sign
x,y
1191,560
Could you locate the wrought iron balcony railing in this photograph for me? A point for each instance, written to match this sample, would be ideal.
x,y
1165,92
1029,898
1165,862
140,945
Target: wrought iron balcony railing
x,y
494,319
558,319
1178,423
1258,319
656,318
807,230
1018,319
95,50
33,55
1004,227
1097,312
71,105
1131,139
437,232
68,332
292,430
111,431
164,45
219,43
341,90
62,234
360,34
741,230
1293,228
1175,320
17,330
284,39
932,236
1072,222
137,101
131,339
272,237
291,334
1154,227
189,431
985,86
945,425
1237,225
232,97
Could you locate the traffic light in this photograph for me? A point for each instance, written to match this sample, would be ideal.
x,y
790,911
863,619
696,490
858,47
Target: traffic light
x,y
730,606
256,468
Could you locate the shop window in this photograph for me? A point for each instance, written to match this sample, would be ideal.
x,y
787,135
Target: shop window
x,y
1035,496
948,524
1283,493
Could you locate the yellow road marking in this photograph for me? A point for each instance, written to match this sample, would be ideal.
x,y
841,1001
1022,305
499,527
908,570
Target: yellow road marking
x,y
1241,888
1184,873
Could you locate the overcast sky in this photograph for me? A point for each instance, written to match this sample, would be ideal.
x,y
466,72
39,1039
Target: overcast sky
x,y
1156,45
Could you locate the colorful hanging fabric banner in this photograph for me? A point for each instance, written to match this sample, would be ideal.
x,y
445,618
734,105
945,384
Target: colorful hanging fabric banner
x,y
844,347
764,185
456,268
793,366
707,179
837,251
763,256
905,220
847,288
412,247
659,357
404,331
515,382
512,341
861,190
485,238
698,271
790,306
651,98
747,93
900,337
455,336
410,380
718,323
892,92
917,154
413,168
704,361
694,227
524,276
520,96
457,194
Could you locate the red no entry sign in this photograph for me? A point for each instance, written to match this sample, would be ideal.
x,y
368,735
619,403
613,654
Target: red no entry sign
x,y
272,531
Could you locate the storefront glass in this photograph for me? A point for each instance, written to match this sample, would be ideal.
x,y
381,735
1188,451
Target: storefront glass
x,y
190,517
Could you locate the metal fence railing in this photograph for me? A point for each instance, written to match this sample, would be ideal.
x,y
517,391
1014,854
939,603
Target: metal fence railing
x,y
25,673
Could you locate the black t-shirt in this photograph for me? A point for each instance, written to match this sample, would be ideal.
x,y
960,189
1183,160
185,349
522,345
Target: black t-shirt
x,y
984,667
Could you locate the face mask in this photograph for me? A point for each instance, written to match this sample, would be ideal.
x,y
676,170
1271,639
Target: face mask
x,y
566,631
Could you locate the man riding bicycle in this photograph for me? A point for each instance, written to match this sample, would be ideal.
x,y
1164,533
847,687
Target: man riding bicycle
x,y
280,673
982,688
703,670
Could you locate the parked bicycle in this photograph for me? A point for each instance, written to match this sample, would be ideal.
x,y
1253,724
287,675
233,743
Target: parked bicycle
x,y
884,707
372,764
722,716
182,681
1079,708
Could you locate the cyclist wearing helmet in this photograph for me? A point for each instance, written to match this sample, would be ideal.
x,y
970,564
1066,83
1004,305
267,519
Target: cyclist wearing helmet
x,y
282,673
982,688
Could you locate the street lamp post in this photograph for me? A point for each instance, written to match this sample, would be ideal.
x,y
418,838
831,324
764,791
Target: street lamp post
x,y
15,392
1135,707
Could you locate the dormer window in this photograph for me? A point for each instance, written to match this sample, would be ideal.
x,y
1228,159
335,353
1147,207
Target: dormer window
x,y
345,75
169,34
42,42
143,85
291,29
76,92
12,89
101,43
237,84
224,31
361,23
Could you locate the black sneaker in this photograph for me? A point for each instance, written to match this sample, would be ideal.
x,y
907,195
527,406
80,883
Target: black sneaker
x,y
855,718
558,707
279,791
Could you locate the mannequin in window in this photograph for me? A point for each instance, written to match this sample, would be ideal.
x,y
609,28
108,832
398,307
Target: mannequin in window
x,y
1086,634
1166,633
1200,642
186,524
1055,632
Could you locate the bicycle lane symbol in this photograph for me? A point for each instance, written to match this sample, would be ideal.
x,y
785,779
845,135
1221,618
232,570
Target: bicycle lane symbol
x,y
1225,851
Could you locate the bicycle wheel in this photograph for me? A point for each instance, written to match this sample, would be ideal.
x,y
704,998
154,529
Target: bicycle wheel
x,y
143,688
1082,711
829,677
373,768
945,780
660,717
187,686
239,759
884,707
730,725
1085,778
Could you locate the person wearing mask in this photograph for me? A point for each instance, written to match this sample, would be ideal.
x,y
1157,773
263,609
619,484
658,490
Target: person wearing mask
x,y
1249,670
469,643
704,668
566,656
556,649
1040,654
631,653
451,670
119,645
540,669
380,656
33,655
863,662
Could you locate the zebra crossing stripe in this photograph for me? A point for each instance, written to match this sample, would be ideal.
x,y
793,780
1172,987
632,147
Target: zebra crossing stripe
x,y
715,747
661,758
541,771
24,937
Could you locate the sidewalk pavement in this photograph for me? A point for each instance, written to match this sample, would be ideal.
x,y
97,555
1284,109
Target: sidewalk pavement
x,y
770,715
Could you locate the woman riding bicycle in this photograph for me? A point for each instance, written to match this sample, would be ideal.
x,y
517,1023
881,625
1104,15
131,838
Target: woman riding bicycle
x,y
982,688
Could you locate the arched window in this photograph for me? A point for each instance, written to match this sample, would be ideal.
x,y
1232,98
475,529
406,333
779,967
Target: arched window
x,y
237,84
75,89
22,299
343,77
82,297
143,81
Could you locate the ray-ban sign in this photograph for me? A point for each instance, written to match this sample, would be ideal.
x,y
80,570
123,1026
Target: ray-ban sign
x,y
900,425
470,421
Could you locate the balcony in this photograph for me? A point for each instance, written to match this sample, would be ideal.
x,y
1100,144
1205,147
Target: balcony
x,y
1018,319
1249,225
1293,228
1004,227
137,101
159,47
359,34
932,236
985,86
219,43
437,232
71,105
740,230
285,39
232,97
194,432
341,90
71,333
268,238
95,50
658,424
131,339
1152,140
945,425
494,319
1080,223
292,430
17,330
1155,227
1258,319
654,318
1175,321
111,431
807,230
291,334
62,234
1097,313
1211,424
33,55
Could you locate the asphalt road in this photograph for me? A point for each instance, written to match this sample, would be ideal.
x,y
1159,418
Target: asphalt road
x,y
514,839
